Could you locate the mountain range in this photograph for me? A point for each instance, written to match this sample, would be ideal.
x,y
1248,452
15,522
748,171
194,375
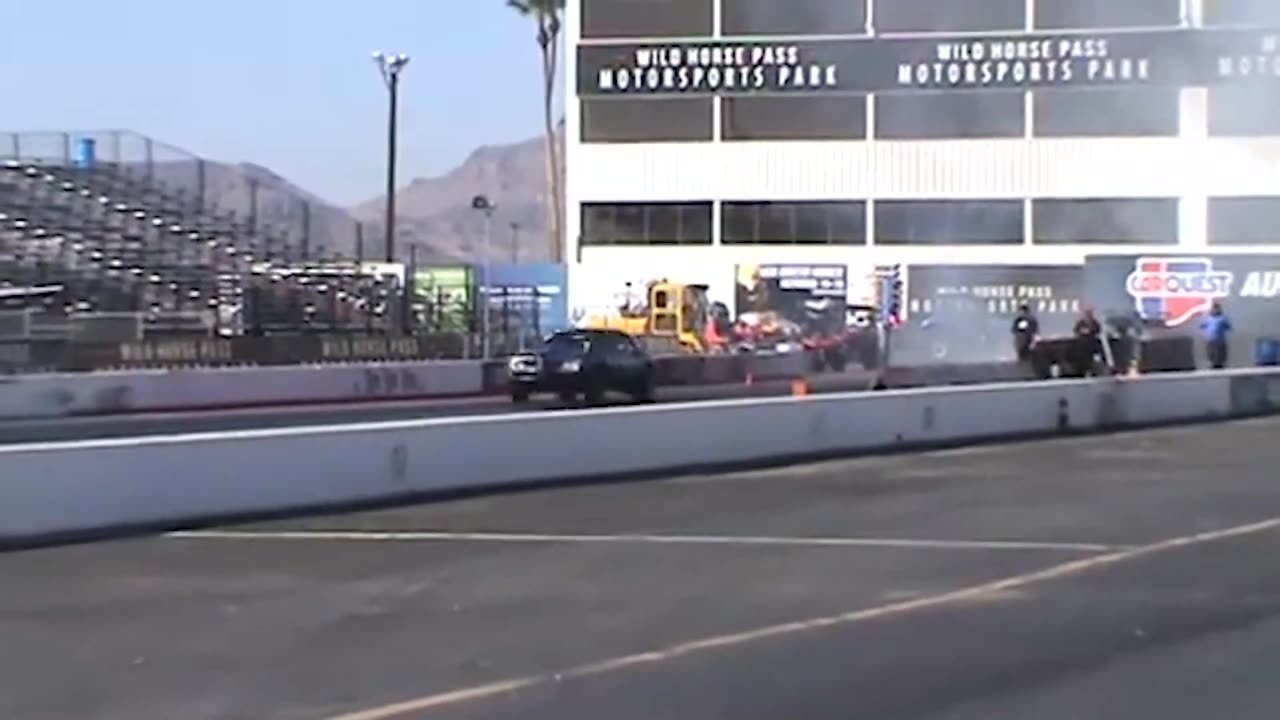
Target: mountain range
x,y
434,214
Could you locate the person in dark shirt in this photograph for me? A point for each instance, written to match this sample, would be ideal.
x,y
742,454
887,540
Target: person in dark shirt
x,y
1025,330
1217,330
1088,333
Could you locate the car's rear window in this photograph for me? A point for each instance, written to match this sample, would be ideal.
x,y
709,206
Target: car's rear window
x,y
568,344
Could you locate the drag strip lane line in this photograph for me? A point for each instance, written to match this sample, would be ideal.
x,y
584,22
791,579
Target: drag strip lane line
x,y
415,536
399,710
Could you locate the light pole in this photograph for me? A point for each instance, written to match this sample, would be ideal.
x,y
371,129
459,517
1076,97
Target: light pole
x,y
484,205
390,66
515,243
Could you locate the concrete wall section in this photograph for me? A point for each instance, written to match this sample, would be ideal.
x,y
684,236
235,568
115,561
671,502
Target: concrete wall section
x,y
77,487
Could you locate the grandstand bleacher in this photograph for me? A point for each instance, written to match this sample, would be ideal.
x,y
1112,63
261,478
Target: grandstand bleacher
x,y
93,243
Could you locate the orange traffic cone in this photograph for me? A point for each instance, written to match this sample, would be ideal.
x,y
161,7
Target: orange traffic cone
x,y
799,387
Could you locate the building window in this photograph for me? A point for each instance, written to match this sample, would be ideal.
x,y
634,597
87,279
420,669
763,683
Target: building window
x,y
1129,112
1105,221
646,18
646,223
794,223
651,119
948,222
893,16
1104,14
793,17
1264,13
950,115
1244,221
794,117
1251,109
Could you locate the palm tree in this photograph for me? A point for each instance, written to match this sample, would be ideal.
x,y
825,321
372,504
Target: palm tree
x,y
547,14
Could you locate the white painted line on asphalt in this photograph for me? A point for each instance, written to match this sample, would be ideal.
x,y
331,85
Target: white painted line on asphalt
x,y
415,536
976,592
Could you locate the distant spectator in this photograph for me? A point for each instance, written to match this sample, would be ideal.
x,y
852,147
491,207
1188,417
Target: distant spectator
x,y
1026,331
1217,330
1088,335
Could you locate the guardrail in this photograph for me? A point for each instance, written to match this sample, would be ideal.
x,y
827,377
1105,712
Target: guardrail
x,y
66,489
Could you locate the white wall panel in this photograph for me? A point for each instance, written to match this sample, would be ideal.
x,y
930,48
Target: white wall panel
x,y
1014,168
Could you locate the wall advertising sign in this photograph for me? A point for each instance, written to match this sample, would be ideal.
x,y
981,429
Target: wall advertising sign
x,y
530,294
1176,291
1000,289
789,293
934,62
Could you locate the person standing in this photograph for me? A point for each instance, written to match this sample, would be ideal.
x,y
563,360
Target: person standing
x,y
1087,344
1025,330
1217,331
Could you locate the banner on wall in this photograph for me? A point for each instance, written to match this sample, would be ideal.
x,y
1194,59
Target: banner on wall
x,y
788,296
1175,291
1049,290
445,294
531,295
1171,57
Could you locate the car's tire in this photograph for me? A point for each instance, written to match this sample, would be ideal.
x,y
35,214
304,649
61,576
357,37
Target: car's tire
x,y
593,394
837,360
567,396
520,397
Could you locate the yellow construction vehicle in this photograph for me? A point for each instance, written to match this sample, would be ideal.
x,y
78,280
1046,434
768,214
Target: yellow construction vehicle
x,y
676,318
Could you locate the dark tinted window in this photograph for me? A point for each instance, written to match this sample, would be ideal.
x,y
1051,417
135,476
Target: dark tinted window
x,y
1056,14
1244,221
948,15
653,119
1240,110
793,17
948,222
1110,221
784,223
1117,113
794,117
916,116
646,223
1242,12
569,343
646,18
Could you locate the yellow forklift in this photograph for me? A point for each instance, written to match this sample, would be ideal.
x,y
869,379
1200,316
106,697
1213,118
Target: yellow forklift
x,y
676,318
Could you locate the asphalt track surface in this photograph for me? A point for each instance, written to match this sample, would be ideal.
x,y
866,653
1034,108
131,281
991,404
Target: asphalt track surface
x,y
1124,577
177,423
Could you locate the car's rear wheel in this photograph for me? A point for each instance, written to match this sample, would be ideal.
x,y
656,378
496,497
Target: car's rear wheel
x,y
520,396
567,396
593,394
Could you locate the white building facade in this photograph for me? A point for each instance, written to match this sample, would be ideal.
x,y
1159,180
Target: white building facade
x,y
704,135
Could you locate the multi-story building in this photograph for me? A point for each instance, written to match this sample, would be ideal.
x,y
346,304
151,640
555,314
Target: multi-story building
x,y
704,135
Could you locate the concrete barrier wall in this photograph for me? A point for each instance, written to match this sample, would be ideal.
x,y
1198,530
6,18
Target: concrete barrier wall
x,y
138,391
75,487
33,396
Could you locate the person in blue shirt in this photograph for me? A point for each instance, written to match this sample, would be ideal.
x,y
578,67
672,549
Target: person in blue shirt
x,y
1216,329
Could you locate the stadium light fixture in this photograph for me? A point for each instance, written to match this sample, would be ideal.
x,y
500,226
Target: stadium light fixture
x,y
390,66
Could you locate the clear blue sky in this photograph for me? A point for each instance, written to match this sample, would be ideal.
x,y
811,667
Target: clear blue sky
x,y
288,84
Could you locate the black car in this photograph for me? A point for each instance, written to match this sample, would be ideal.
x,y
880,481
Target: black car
x,y
583,362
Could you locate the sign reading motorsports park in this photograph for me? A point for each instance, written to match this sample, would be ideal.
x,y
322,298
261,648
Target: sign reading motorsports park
x,y
932,62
